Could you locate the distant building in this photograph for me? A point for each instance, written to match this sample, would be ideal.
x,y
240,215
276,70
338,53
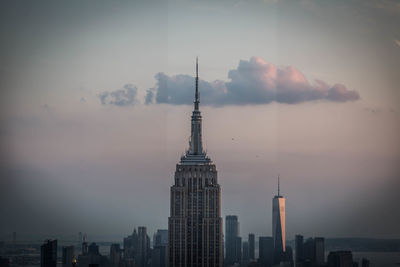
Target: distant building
x,y
48,254
160,237
115,255
278,222
252,247
319,246
364,263
94,249
309,251
299,249
195,223
266,250
287,257
131,246
232,250
312,251
340,259
137,251
68,256
85,249
159,254
143,247
92,257
238,249
245,252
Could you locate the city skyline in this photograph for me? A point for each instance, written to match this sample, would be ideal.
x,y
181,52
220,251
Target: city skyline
x,y
94,102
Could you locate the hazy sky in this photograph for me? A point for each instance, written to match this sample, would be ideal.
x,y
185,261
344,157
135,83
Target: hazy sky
x,y
96,98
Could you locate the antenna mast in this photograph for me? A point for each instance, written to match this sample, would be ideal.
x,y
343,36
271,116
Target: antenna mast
x,y
278,186
196,101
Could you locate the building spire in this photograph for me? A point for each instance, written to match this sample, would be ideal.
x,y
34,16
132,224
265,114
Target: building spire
x,y
195,143
196,96
278,186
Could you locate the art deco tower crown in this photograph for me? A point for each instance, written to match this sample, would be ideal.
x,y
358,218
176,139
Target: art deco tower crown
x,y
195,223
195,154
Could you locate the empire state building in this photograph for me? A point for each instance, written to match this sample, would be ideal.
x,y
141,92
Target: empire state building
x,y
195,223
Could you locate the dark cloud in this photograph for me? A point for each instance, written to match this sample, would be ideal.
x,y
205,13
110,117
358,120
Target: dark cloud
x,y
122,97
253,82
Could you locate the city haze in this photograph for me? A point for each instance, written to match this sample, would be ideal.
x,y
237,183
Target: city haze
x,y
82,150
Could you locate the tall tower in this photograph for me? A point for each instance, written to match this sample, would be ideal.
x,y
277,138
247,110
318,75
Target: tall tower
x,y
231,239
195,223
278,222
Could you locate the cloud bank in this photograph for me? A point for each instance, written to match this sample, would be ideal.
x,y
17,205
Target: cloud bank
x,y
253,82
122,97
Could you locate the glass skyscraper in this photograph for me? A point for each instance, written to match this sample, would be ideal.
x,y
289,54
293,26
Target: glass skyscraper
x,y
278,222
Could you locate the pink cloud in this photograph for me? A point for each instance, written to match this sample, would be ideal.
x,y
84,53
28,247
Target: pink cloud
x,y
254,81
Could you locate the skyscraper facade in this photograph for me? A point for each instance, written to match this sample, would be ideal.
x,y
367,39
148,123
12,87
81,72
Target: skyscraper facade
x,y
252,247
319,250
131,246
68,256
266,250
313,251
195,223
278,222
340,259
48,254
238,249
231,242
115,255
160,245
143,247
299,249
160,237
92,257
245,252
309,251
